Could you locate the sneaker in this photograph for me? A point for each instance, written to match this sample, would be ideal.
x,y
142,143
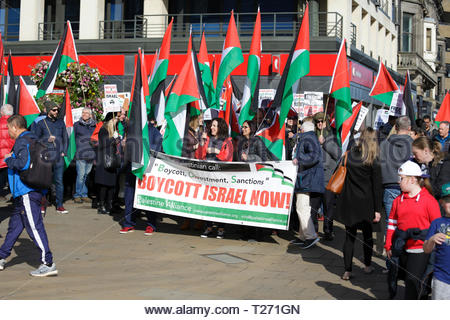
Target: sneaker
x,y
207,233
44,271
77,200
127,230
220,234
2,264
43,209
86,199
61,210
309,243
297,241
149,231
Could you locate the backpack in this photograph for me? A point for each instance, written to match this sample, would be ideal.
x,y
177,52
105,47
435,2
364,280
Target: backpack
x,y
39,174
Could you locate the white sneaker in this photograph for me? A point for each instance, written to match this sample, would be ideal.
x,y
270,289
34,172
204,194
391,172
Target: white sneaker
x,y
44,271
2,264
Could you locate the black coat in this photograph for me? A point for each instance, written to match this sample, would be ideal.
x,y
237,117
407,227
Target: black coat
x,y
254,148
439,175
105,145
310,164
362,193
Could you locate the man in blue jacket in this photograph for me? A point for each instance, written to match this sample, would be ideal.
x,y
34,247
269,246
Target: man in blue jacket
x,y
26,213
309,184
52,132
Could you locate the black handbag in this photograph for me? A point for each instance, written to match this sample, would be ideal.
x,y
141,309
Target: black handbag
x,y
111,157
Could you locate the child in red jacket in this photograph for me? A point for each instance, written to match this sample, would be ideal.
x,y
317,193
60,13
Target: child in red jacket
x,y
409,220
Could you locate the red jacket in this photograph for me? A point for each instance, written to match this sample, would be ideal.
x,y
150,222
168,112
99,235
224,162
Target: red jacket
x,y
6,143
415,212
225,154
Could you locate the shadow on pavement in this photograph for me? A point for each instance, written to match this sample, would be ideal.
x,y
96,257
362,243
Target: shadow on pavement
x,y
26,252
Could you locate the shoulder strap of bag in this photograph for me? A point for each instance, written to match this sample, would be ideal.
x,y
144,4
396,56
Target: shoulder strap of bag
x,y
345,158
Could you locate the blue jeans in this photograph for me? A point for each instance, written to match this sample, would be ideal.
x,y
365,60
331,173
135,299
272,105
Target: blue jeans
x,y
83,169
58,171
389,194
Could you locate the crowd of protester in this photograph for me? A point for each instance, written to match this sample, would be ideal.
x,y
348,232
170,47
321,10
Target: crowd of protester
x,y
395,175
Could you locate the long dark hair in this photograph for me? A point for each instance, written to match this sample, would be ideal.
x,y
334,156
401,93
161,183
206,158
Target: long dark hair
x,y
252,126
222,128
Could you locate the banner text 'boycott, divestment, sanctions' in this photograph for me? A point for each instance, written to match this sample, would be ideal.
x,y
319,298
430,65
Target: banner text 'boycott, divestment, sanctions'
x,y
262,198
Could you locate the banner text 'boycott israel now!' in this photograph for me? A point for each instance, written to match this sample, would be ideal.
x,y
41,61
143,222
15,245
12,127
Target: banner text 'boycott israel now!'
x,y
253,194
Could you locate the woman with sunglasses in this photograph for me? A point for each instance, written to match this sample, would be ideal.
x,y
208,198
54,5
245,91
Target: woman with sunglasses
x,y
250,148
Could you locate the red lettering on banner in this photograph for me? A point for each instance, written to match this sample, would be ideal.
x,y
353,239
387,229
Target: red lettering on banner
x,y
179,186
160,183
237,196
264,199
277,199
169,184
288,200
221,194
212,193
255,197
141,183
205,194
196,187
151,183
230,196
243,197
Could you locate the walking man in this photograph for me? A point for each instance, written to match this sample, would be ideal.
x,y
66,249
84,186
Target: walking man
x,y
26,213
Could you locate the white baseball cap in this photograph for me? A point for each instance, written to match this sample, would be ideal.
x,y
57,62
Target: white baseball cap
x,y
410,168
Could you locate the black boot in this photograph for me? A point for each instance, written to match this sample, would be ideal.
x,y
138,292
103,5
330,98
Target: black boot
x,y
108,207
94,203
101,208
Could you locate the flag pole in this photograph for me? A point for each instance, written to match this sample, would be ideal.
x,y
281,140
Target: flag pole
x,y
325,114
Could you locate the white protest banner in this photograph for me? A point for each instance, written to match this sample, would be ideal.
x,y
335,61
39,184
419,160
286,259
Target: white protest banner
x,y
76,114
362,115
265,97
110,90
381,118
244,193
396,109
308,103
112,105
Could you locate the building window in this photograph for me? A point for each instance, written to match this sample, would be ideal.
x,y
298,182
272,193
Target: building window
x,y
447,70
447,44
439,85
120,19
10,19
57,12
428,39
407,34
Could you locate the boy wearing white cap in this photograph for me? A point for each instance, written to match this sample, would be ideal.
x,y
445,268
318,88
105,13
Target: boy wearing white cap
x,y
411,215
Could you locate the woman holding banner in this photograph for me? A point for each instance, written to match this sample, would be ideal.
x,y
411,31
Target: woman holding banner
x,y
216,146
251,148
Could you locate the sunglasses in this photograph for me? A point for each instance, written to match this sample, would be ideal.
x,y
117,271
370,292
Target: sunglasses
x,y
245,127
55,110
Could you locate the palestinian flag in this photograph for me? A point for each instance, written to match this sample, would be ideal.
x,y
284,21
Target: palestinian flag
x,y
10,91
251,88
444,111
1,70
340,91
65,53
66,115
231,57
28,107
274,137
384,87
276,173
296,67
205,70
348,125
185,90
407,100
159,71
158,99
138,142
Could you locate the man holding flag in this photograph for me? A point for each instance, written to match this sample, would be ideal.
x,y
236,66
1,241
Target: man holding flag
x,y
52,132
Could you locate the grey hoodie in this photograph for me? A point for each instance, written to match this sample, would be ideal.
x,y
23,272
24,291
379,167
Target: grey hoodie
x,y
394,151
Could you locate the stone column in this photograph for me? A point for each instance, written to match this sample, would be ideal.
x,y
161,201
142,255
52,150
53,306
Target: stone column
x,y
156,25
91,12
31,14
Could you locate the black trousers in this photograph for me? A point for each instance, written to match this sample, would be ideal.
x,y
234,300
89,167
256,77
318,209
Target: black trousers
x,y
315,200
415,265
329,208
349,243
106,194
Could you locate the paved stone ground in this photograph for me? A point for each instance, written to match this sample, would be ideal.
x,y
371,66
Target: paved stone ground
x,y
96,262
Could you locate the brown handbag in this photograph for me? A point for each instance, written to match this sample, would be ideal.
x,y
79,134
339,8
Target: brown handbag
x,y
337,180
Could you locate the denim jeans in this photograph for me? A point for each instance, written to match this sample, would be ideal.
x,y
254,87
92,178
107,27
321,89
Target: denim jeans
x,y
83,169
389,194
58,171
